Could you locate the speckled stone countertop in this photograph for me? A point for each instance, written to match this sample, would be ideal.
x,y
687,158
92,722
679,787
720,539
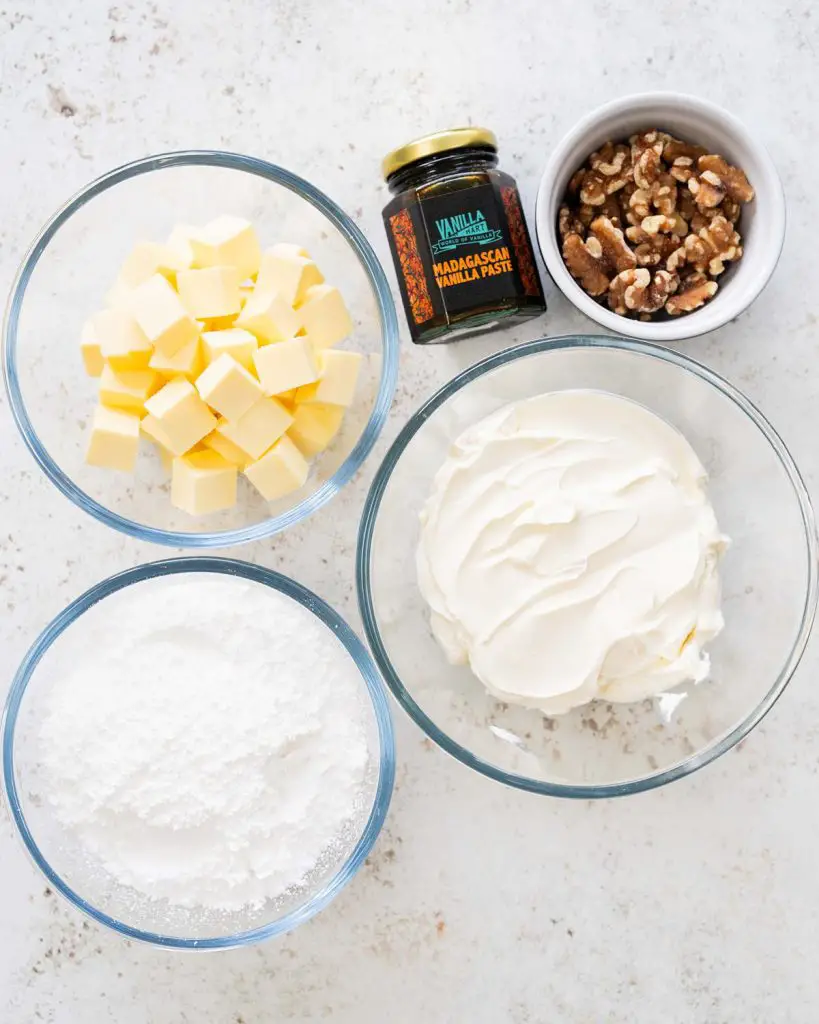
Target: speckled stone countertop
x,y
695,904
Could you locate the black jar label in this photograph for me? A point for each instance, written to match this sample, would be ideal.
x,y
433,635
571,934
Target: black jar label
x,y
462,252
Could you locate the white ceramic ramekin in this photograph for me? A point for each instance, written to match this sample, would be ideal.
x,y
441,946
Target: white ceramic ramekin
x,y
695,120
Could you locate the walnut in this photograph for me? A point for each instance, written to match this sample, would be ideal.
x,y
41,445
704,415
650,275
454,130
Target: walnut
x,y
627,289
585,262
568,223
652,225
723,242
635,291
647,140
617,255
647,226
593,189
674,149
651,250
647,169
707,190
612,161
730,209
639,205
664,195
682,169
691,297
732,180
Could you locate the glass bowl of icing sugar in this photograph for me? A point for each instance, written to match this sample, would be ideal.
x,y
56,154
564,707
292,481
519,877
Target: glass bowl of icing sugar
x,y
198,753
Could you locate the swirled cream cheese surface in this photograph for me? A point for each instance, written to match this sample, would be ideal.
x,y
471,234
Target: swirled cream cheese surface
x,y
569,553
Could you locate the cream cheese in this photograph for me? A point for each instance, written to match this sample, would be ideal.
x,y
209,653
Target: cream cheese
x,y
569,553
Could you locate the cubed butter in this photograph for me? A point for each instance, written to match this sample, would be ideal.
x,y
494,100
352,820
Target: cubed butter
x,y
218,323
314,427
203,482
285,365
127,390
338,374
227,242
157,309
269,316
179,242
122,343
114,439
227,449
279,471
261,426
233,342
151,427
324,316
147,259
288,249
211,292
188,362
181,414
287,274
228,388
92,356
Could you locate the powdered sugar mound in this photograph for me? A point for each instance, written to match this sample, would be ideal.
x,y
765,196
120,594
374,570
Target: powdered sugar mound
x,y
209,746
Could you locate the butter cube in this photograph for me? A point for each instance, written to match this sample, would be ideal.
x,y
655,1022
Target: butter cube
x,y
121,341
90,350
269,316
279,471
314,427
288,249
228,388
179,242
338,376
218,323
181,414
114,439
212,292
233,342
152,429
324,316
128,389
188,362
203,482
288,275
147,259
156,308
262,425
227,242
227,449
285,365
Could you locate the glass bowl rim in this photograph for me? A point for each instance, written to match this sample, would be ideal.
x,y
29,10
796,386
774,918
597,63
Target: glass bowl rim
x,y
307,599
364,549
373,270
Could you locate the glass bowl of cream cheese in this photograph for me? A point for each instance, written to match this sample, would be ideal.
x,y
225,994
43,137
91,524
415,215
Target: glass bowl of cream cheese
x,y
587,566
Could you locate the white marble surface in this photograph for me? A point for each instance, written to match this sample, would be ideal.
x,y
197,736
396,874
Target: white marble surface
x,y
692,905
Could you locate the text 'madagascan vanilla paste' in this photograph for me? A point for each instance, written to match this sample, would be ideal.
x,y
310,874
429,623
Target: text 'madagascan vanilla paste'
x,y
458,237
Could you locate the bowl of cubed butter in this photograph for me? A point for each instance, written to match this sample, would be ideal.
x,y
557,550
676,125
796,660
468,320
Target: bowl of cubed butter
x,y
200,349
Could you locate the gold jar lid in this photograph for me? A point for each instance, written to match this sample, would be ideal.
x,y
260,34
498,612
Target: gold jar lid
x,y
437,142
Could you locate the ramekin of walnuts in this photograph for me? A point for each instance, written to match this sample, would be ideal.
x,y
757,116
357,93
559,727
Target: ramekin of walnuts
x,y
660,217
649,225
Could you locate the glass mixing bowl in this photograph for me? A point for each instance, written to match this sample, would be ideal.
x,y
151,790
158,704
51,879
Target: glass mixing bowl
x,y
768,577
72,264
65,863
